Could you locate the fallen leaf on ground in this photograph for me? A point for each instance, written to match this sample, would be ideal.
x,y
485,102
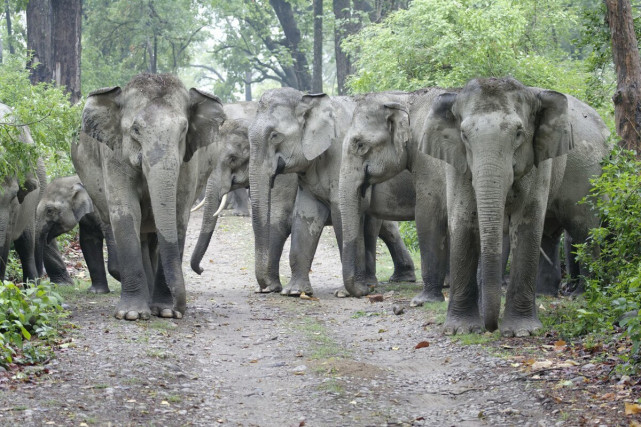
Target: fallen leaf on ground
x,y
422,344
375,298
632,408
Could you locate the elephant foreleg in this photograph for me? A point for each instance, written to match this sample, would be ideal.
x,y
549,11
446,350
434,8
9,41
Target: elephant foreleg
x,y
310,216
91,238
370,235
433,242
548,277
112,254
25,246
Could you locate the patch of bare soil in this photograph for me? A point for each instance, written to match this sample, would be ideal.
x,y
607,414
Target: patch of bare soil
x,y
240,358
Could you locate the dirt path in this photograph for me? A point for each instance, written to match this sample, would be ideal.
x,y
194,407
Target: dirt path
x,y
239,358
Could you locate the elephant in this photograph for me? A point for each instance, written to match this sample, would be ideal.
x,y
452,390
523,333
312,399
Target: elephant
x,y
301,133
65,204
518,154
380,146
230,172
18,201
143,156
238,202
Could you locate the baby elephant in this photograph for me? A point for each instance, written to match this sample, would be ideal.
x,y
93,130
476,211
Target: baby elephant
x,y
64,204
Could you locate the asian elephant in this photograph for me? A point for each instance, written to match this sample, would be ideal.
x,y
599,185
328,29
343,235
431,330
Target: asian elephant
x,y
65,204
18,201
518,154
298,133
230,172
380,147
143,156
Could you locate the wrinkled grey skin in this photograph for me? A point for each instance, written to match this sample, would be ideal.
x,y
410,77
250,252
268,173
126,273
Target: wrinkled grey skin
x,y
238,202
18,201
230,172
65,204
382,144
143,157
513,152
297,133
230,154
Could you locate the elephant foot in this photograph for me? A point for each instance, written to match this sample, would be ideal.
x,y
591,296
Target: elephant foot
x,y
341,293
162,310
519,326
296,288
132,310
403,276
370,281
99,288
462,325
357,289
426,296
269,288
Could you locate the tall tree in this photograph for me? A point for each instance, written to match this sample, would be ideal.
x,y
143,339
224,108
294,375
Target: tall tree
x,y
343,27
625,53
53,35
317,70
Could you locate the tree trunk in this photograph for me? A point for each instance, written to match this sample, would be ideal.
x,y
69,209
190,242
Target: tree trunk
x,y
287,21
625,53
342,13
317,74
53,34
7,11
248,85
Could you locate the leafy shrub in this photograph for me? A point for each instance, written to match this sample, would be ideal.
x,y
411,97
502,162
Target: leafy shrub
x,y
29,312
408,233
613,251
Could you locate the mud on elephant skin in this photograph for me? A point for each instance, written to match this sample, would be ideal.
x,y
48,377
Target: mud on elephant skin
x,y
381,150
513,152
298,133
65,203
143,157
18,201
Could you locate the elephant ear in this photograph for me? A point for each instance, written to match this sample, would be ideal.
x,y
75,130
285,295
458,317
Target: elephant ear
x,y
316,114
398,122
30,184
81,203
101,116
86,155
553,133
206,115
442,135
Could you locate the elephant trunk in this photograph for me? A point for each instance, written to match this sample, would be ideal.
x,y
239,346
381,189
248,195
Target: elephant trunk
x,y
490,198
5,243
260,186
351,207
212,201
162,181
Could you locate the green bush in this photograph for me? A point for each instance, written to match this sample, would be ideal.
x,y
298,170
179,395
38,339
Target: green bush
x,y
408,233
27,313
613,251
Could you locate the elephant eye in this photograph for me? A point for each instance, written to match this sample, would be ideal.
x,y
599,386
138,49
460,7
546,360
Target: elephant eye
x,y
232,159
464,137
49,211
519,132
273,135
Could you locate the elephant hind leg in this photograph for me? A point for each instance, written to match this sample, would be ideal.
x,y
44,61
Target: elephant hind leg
x,y
25,246
404,270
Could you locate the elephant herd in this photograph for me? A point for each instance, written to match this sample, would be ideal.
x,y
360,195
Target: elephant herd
x,y
483,170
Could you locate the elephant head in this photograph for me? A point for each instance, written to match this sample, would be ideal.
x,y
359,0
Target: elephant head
x,y
374,150
136,149
494,132
290,130
62,206
230,171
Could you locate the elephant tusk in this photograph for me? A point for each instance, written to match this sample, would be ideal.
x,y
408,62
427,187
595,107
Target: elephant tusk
x,y
223,202
547,258
199,205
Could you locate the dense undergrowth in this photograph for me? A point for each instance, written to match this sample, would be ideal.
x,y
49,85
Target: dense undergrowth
x,y
29,322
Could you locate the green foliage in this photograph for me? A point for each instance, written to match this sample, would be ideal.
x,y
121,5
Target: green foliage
x,y
52,121
445,43
408,233
27,313
122,38
613,251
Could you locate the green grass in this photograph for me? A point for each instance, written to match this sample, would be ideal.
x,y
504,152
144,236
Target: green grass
x,y
385,265
436,312
322,346
331,385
